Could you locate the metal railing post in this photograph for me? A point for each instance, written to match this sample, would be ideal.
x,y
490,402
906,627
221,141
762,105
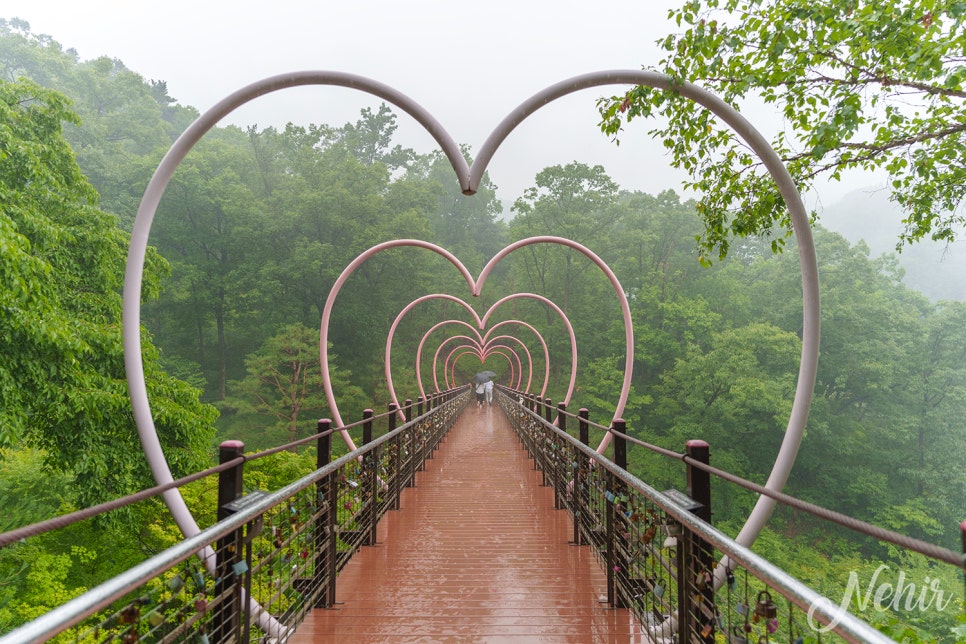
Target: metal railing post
x,y
410,445
394,464
420,435
543,409
325,546
580,476
616,542
369,467
558,474
695,556
226,621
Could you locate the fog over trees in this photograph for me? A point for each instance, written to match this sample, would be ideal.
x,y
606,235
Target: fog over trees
x,y
257,225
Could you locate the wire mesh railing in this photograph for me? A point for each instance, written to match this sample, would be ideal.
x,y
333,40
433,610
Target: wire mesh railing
x,y
272,556
684,580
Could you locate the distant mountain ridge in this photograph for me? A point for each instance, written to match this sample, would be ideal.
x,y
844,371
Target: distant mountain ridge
x,y
936,269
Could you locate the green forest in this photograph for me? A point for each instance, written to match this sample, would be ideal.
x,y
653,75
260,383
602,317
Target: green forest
x,y
256,226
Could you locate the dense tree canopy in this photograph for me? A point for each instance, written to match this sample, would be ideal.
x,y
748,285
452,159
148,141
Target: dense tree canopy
x,y
256,226
857,85
62,381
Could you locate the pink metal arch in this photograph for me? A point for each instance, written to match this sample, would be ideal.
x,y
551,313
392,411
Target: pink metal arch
x,y
566,321
515,376
543,343
481,324
469,179
422,342
330,301
489,346
449,367
519,363
475,286
482,353
621,297
392,333
447,380
487,349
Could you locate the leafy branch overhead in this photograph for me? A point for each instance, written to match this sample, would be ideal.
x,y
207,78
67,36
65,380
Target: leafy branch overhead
x,y
857,85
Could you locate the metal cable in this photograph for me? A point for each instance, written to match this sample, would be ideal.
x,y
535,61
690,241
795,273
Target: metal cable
x,y
288,446
909,543
65,520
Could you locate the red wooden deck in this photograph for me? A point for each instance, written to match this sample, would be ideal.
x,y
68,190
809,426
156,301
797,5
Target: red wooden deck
x,y
476,554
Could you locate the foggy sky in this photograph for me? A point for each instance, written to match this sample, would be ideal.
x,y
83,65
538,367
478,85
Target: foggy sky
x,y
469,64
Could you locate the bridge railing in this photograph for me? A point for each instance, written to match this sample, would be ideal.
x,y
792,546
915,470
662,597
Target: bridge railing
x,y
683,579
272,556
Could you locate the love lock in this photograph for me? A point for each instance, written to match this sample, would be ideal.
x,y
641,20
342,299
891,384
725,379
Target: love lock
x,y
765,608
703,580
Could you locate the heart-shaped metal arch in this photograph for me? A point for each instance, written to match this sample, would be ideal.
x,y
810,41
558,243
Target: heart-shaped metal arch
x,y
482,324
438,325
458,352
469,179
476,287
482,352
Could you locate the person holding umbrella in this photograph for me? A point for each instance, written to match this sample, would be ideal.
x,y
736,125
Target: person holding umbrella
x,y
480,380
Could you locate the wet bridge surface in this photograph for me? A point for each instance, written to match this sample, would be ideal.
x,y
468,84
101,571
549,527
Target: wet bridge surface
x,y
477,553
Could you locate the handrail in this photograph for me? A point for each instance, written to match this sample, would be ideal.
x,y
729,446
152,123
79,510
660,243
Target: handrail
x,y
76,610
819,608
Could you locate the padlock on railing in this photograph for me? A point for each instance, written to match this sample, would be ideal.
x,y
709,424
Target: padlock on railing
x,y
765,608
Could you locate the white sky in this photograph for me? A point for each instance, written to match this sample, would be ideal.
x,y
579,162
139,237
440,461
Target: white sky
x,y
469,64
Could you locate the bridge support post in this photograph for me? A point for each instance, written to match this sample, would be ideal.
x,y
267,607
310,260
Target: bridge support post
x,y
226,621
325,546
616,544
370,463
409,445
543,409
419,440
580,477
394,464
696,556
559,472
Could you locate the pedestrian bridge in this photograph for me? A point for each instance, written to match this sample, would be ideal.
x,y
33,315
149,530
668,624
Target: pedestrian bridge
x,y
451,522
456,523
495,564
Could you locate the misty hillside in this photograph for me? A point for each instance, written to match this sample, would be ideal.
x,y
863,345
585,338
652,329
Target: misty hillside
x,y
936,269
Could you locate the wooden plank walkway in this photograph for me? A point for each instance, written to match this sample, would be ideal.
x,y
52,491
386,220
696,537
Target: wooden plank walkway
x,y
476,554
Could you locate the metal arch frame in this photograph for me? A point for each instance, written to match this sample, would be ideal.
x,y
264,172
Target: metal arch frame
x,y
392,332
570,332
487,349
513,370
452,358
519,373
543,343
475,289
330,302
479,349
469,178
808,263
447,379
621,298
422,343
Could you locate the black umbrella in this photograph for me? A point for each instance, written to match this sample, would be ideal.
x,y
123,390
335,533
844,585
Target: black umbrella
x,y
483,376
